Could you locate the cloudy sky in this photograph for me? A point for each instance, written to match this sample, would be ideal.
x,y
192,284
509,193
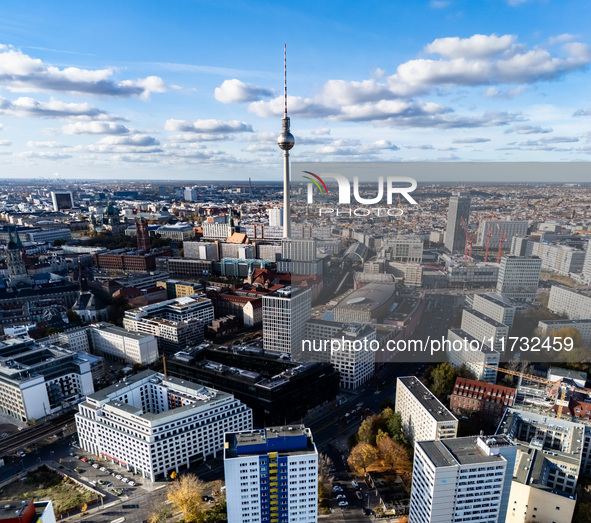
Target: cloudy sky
x,y
193,89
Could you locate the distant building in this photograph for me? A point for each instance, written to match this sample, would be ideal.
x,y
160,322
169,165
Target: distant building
x,y
424,417
458,215
178,232
372,302
474,354
190,194
179,288
62,200
276,217
507,229
153,425
462,479
271,475
130,260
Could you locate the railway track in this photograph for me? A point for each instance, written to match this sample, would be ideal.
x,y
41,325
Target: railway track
x,y
31,435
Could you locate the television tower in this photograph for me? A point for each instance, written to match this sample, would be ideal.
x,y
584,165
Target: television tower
x,y
285,141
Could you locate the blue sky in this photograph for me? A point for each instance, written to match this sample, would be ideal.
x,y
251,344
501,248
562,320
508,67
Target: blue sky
x,y
192,89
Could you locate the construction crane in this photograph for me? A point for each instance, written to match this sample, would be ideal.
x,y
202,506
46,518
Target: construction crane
x,y
501,240
490,231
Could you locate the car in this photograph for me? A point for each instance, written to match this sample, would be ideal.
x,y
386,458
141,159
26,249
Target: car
x,y
103,469
343,504
359,494
76,457
341,496
95,466
102,482
366,512
125,480
117,492
355,484
118,476
21,453
337,488
93,483
114,474
84,460
131,483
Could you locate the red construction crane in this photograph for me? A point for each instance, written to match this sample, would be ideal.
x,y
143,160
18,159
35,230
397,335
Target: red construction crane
x,y
501,240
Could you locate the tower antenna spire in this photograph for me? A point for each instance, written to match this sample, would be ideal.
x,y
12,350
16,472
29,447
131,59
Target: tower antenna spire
x,y
285,77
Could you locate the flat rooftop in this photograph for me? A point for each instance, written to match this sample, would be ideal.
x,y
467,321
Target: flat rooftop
x,y
286,440
452,452
429,402
486,318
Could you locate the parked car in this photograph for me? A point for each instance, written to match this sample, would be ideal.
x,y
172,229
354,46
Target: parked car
x,y
337,488
131,483
102,482
355,484
343,503
84,460
117,492
118,476
95,466
341,496
125,480
103,469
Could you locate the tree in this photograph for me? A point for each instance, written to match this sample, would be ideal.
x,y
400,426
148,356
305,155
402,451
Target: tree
x,y
443,377
362,456
391,452
185,494
568,332
160,514
464,372
73,316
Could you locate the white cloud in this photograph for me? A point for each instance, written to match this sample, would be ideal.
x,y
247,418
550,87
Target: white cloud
x,y
208,126
29,107
94,128
47,145
471,140
199,137
136,140
582,112
495,92
5,143
529,129
21,73
235,91
44,155
477,46
439,4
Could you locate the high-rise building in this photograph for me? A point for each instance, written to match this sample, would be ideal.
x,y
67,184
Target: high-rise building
x,y
152,424
143,235
115,342
271,475
519,277
423,416
474,354
587,264
494,306
490,332
285,313
190,194
276,217
462,479
457,217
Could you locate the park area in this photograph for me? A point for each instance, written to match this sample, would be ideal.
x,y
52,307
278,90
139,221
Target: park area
x,y
46,484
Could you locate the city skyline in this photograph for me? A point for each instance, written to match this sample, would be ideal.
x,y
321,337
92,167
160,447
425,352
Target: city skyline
x,y
194,92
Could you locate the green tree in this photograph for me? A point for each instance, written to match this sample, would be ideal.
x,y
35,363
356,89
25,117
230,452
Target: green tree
x,y
443,377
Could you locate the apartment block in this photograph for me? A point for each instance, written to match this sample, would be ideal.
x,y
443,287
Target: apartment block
x,y
576,305
424,417
519,277
271,475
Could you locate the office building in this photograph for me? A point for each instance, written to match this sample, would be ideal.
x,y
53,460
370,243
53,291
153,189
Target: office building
x,y
521,246
490,332
474,354
491,400
495,307
562,259
458,215
575,305
355,367
179,288
403,249
178,232
462,479
38,380
153,425
424,417
117,343
519,277
266,382
372,302
545,327
176,324
190,194
271,475
285,313
471,274
587,265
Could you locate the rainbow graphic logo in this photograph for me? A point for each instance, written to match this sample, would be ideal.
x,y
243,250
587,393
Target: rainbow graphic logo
x,y
315,181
